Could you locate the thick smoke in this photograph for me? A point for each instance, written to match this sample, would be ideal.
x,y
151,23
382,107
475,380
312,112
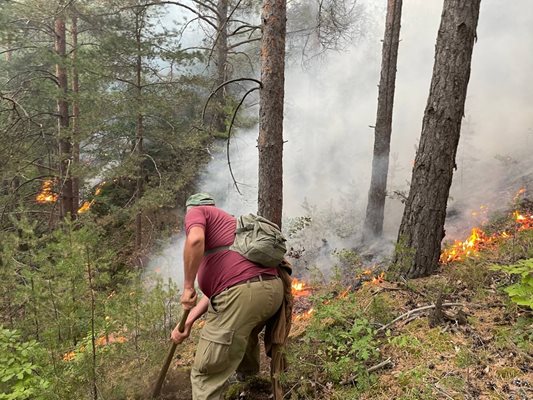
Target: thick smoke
x,y
330,105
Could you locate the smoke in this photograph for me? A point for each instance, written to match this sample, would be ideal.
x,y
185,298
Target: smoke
x,y
330,106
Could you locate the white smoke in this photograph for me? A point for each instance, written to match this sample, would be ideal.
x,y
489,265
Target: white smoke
x,y
329,107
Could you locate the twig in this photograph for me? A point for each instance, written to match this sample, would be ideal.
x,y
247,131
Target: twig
x,y
224,84
443,391
291,389
411,312
380,365
229,136
155,165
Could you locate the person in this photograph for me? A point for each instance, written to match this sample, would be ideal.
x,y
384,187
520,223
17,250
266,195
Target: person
x,y
238,296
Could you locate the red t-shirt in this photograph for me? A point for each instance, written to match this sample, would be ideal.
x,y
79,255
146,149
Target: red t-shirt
x,y
223,268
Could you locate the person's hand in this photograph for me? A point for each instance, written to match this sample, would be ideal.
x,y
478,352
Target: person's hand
x,y
188,298
178,337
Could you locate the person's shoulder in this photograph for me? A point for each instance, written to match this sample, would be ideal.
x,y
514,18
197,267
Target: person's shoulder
x,y
213,210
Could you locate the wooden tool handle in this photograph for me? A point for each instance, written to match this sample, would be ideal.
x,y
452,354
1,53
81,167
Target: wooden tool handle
x,y
163,373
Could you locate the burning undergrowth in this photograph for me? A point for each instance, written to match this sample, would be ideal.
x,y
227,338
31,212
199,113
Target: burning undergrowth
x,y
451,335
504,226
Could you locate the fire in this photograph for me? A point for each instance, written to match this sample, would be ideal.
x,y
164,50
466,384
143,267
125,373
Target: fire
x,y
376,280
47,195
478,239
299,288
69,356
524,221
305,315
111,338
100,341
461,250
86,206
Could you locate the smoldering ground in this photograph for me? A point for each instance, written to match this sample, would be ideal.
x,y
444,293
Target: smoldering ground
x,y
330,105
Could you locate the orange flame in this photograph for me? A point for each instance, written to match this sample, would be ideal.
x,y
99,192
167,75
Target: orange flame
x,y
101,341
376,280
524,221
460,250
86,206
111,338
47,195
479,239
299,288
305,315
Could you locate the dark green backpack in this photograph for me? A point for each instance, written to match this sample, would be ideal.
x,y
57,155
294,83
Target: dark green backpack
x,y
257,239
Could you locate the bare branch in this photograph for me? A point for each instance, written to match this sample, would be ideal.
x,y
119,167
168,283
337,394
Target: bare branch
x,y
224,84
229,135
414,311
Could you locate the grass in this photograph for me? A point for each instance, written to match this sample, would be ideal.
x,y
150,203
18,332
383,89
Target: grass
x,y
478,360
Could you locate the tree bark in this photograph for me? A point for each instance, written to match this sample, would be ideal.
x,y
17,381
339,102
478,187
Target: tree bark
x,y
65,145
75,115
270,143
139,129
373,226
422,227
222,64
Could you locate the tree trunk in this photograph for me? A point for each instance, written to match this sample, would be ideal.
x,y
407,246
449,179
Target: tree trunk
x,y
75,115
65,146
8,54
422,227
270,143
222,61
139,130
373,227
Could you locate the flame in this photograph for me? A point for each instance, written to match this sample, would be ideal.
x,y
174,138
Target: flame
x,y
460,250
376,280
299,288
478,239
305,315
69,356
100,341
524,221
86,206
47,195
111,338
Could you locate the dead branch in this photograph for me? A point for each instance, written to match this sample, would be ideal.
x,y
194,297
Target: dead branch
x,y
224,84
229,136
382,364
414,311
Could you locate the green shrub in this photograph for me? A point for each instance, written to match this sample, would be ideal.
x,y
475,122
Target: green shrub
x,y
19,372
521,292
338,346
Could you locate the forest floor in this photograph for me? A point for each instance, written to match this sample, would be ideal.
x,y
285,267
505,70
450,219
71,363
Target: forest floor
x,y
480,350
343,345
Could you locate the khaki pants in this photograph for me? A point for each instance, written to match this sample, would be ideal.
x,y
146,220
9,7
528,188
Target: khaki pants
x,y
228,340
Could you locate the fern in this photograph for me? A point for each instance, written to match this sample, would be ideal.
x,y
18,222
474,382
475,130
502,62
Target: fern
x,y
521,292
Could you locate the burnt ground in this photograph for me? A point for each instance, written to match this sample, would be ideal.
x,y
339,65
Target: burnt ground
x,y
177,385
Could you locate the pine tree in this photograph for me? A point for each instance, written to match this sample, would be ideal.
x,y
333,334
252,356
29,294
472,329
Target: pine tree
x,y
422,227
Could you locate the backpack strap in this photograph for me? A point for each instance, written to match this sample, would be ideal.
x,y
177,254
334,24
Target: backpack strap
x,y
215,250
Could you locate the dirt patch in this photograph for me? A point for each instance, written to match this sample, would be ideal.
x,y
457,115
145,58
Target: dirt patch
x,y
177,385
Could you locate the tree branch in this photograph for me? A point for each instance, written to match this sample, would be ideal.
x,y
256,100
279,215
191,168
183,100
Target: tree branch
x,y
414,311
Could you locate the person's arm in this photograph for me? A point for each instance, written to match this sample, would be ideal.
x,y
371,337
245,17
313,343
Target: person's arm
x,y
193,252
195,313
